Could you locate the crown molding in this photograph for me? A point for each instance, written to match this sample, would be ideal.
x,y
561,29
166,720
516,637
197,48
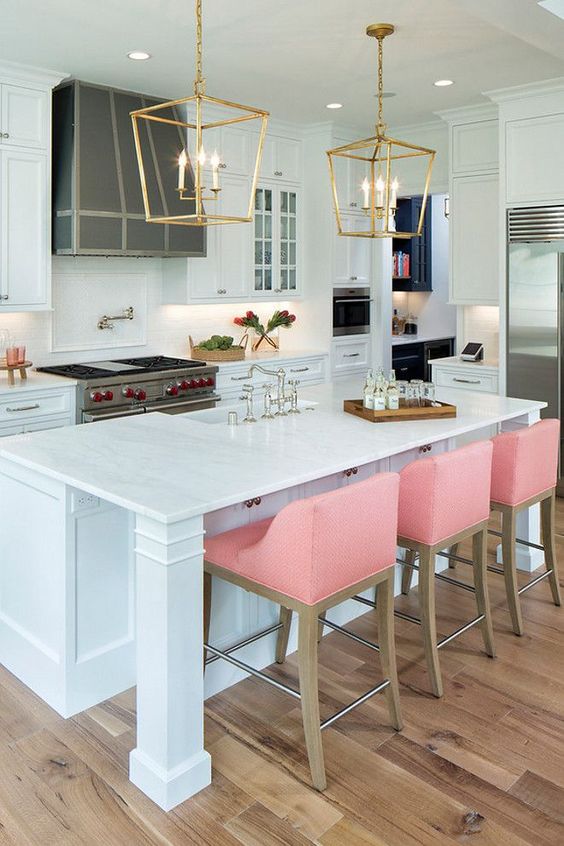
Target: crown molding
x,y
469,114
531,89
424,126
44,77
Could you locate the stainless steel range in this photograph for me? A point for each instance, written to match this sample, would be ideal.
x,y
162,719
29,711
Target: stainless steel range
x,y
139,385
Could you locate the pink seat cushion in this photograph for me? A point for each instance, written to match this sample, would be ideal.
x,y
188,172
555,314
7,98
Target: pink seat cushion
x,y
445,494
525,462
315,547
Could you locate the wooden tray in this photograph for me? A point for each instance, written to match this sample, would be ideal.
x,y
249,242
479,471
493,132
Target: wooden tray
x,y
11,368
232,354
404,412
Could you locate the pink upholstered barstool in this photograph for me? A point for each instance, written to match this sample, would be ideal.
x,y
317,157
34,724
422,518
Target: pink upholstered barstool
x,y
444,500
312,555
524,473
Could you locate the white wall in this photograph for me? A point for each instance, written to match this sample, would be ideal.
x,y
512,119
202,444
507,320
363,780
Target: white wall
x,y
167,327
481,323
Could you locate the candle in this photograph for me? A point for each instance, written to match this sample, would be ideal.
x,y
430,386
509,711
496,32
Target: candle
x,y
366,192
215,172
394,197
182,162
380,193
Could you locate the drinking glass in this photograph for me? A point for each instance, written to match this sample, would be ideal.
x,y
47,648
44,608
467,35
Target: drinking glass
x,y
402,387
21,354
416,386
12,356
429,392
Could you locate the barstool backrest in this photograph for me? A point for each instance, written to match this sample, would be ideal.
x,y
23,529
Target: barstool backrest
x,y
525,462
317,546
445,494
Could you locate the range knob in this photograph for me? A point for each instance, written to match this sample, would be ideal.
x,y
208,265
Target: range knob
x,y
210,381
184,385
96,396
193,384
109,395
128,392
140,394
201,383
172,390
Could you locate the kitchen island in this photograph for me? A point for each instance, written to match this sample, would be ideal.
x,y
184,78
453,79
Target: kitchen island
x,y
102,542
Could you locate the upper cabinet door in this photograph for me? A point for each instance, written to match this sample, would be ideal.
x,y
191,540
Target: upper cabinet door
x,y
475,147
24,223
24,117
534,171
474,240
281,159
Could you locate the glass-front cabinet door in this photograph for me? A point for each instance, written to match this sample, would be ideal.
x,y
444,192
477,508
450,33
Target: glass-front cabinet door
x,y
276,240
263,240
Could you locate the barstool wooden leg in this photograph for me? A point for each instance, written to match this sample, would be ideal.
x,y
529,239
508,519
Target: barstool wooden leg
x,y
320,626
453,551
480,558
407,572
283,634
548,507
307,660
386,640
508,544
428,622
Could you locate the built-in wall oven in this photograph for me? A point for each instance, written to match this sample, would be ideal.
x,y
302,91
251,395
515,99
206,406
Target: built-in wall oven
x,y
351,311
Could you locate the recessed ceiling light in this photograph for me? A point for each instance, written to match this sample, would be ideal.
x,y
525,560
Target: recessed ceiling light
x,y
334,106
442,83
138,55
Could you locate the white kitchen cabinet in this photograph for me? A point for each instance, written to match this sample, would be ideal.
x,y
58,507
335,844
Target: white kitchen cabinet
x,y
353,256
310,370
24,236
282,159
23,117
534,171
350,354
475,147
276,241
24,409
469,376
474,240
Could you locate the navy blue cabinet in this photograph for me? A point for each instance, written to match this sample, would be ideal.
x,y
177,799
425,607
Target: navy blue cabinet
x,y
418,250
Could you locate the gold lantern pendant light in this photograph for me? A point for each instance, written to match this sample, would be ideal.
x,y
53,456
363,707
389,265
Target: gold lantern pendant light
x,y
374,167
184,187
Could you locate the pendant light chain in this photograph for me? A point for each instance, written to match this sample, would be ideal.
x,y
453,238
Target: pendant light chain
x,y
200,82
380,126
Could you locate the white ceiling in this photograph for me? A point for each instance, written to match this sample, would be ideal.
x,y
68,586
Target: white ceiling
x,y
294,56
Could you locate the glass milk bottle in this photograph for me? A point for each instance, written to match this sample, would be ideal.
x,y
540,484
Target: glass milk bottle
x,y
392,397
368,400
379,397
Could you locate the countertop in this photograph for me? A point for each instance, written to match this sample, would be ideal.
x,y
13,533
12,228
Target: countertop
x,y
34,382
455,361
265,356
417,339
184,468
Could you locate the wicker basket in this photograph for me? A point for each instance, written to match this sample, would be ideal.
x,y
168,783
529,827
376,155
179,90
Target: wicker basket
x,y
232,354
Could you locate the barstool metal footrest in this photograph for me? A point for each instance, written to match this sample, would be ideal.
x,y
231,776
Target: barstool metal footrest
x,y
364,601
350,634
455,582
354,704
461,630
518,540
245,642
534,581
408,617
458,558
253,672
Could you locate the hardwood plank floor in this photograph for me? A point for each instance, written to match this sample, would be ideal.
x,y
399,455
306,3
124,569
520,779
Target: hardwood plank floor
x,y
485,765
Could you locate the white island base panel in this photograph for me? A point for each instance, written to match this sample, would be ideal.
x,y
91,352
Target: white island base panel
x,y
101,571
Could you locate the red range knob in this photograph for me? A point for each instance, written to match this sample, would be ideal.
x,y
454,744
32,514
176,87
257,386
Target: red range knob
x,y
140,394
193,384
184,385
201,383
96,396
128,392
209,381
172,390
109,395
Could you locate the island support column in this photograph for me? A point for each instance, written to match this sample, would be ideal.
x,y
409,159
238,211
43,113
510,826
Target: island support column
x,y
169,763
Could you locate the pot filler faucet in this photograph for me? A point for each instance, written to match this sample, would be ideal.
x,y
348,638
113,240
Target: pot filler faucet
x,y
281,398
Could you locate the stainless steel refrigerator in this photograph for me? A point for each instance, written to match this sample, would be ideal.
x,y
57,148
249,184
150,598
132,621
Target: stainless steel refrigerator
x,y
535,307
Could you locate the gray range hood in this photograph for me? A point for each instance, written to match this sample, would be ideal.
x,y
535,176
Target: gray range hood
x,y
97,201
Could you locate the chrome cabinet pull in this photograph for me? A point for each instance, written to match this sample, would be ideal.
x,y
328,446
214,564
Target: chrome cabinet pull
x,y
351,355
298,369
4,296
23,408
468,381
222,165
238,378
278,173
5,135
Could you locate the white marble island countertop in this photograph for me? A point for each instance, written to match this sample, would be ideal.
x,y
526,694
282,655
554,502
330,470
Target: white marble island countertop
x,y
171,467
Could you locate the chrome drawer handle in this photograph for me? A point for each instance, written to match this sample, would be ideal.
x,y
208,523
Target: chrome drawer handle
x,y
467,381
4,296
298,369
351,355
23,408
5,135
238,378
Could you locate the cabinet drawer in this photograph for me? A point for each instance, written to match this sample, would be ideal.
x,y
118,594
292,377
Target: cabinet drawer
x,y
231,379
29,407
463,380
350,355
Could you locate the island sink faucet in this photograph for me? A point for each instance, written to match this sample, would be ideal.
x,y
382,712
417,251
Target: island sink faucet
x,y
281,398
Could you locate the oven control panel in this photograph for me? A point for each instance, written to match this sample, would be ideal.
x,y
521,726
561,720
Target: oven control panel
x,y
111,393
